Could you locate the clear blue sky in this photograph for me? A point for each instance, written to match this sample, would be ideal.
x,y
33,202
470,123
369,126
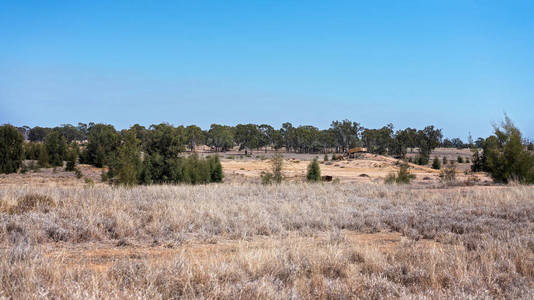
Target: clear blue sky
x,y
459,65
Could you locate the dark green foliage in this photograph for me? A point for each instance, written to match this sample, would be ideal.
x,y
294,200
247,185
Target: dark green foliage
x,y
71,157
190,170
379,141
266,177
314,171
325,157
11,149
444,160
32,150
166,140
421,160
194,136
220,137
460,160
70,132
216,171
56,148
102,141
427,140
43,157
403,176
127,168
248,136
436,163
37,134
505,157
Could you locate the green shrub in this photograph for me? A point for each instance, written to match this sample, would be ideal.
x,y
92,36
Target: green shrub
x,y
314,171
43,157
277,164
444,160
11,149
325,157
56,147
71,157
266,178
460,160
421,160
436,164
403,176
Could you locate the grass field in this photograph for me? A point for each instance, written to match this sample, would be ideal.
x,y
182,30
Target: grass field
x,y
249,241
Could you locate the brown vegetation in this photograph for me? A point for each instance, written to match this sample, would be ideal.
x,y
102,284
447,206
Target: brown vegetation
x,y
276,241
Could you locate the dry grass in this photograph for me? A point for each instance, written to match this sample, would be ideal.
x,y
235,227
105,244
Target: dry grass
x,y
253,241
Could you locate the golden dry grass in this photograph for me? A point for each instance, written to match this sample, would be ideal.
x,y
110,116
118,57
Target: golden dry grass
x,y
248,241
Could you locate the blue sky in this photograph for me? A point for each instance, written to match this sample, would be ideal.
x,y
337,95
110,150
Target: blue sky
x,y
459,65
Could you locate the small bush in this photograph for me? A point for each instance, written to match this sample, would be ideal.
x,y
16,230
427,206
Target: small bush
x,y
436,165
448,174
266,177
444,160
314,171
403,176
89,182
421,160
277,163
78,173
325,157
460,160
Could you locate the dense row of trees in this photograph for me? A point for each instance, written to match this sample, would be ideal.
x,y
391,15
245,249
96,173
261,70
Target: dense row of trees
x,y
341,136
155,154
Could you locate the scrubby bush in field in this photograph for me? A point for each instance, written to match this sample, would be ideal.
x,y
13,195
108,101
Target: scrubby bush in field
x,y
314,171
460,160
71,157
421,160
276,176
11,149
505,157
436,164
448,174
266,177
444,160
403,176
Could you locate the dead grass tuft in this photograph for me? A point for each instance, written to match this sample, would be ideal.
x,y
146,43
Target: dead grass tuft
x,y
32,202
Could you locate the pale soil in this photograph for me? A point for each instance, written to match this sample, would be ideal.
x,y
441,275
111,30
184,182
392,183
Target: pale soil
x,y
101,256
365,168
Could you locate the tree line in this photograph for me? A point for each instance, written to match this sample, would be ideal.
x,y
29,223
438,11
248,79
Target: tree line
x,y
339,137
156,154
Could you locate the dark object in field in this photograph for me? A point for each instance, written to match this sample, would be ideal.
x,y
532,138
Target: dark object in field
x,y
363,175
327,178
